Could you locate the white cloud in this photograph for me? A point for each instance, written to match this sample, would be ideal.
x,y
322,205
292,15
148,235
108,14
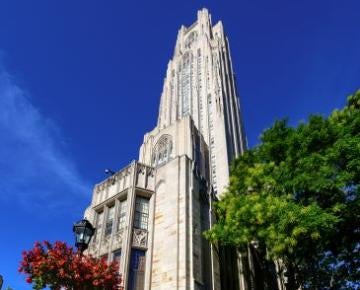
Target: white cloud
x,y
33,163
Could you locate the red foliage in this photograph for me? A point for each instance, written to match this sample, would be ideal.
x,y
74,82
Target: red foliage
x,y
58,266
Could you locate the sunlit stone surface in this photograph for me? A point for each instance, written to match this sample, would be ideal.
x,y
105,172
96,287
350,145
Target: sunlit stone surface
x,y
150,215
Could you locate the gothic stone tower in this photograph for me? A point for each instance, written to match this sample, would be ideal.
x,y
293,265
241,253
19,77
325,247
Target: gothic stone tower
x,y
150,215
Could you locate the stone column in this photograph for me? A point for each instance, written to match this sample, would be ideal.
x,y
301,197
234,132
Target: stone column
x,y
128,230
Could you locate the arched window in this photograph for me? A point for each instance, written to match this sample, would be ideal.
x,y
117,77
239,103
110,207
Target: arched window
x,y
191,39
162,150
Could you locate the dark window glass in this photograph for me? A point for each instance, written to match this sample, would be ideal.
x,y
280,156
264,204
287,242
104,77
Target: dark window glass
x,y
137,270
141,213
117,257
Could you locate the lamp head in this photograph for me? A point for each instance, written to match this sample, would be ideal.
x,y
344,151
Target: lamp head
x,y
83,230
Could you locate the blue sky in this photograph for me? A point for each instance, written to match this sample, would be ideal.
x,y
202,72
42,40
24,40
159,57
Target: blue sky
x,y
80,83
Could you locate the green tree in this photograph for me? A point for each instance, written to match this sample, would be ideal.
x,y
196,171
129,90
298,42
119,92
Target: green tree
x,y
297,195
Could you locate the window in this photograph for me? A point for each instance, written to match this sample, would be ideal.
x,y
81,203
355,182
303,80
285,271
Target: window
x,y
191,39
185,83
199,86
141,213
110,221
162,150
137,270
117,257
212,145
98,225
122,215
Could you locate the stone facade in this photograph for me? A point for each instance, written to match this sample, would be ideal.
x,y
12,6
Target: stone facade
x,y
200,82
150,216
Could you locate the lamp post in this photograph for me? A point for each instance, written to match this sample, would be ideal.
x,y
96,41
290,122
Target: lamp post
x,y
83,230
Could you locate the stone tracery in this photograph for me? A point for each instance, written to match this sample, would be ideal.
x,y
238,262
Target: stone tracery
x,y
162,150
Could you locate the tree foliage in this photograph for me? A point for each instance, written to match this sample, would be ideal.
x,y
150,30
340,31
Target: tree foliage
x,y
297,195
59,267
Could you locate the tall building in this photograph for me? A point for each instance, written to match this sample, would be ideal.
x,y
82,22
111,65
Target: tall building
x,y
150,215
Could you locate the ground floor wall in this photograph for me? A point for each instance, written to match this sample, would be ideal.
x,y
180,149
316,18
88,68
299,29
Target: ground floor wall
x,y
180,256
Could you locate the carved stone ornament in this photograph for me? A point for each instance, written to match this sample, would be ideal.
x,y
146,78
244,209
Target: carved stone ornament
x,y
150,171
140,238
141,168
119,236
112,179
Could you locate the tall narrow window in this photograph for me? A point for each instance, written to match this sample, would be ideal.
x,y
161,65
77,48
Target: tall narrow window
x,y
212,144
199,88
122,215
137,270
98,225
186,73
141,213
117,257
110,221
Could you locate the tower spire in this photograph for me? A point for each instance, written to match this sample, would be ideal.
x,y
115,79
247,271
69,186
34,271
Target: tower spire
x,y
200,83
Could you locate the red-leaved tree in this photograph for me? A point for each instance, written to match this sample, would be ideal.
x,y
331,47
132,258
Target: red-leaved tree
x,y
58,266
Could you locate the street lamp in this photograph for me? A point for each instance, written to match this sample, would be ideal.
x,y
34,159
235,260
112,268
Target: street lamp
x,y
83,230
